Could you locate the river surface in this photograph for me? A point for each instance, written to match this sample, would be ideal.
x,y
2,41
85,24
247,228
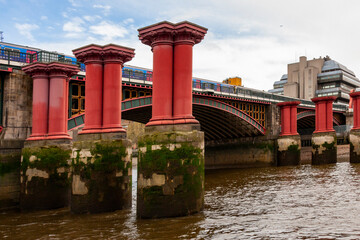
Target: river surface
x,y
303,202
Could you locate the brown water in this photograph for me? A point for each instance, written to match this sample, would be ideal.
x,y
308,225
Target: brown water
x,y
269,203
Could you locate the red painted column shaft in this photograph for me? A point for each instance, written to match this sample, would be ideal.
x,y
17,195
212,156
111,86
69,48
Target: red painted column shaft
x,y
40,102
162,94
112,97
40,107
91,56
288,118
356,112
94,97
355,96
293,120
323,114
114,56
286,124
183,83
329,116
57,107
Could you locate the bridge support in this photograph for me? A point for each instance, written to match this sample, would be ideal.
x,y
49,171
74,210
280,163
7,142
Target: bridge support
x,y
101,178
171,157
289,142
324,143
46,154
354,136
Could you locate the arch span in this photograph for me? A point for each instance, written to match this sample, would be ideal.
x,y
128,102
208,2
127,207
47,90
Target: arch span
x,y
217,119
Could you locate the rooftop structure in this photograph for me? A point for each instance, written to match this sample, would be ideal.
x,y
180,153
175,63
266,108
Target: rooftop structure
x,y
320,77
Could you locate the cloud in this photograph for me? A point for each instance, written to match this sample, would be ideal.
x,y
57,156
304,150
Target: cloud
x,y
44,18
105,8
92,18
74,3
108,30
26,29
74,27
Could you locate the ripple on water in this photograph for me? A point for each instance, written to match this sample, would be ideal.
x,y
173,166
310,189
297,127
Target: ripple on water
x,y
286,202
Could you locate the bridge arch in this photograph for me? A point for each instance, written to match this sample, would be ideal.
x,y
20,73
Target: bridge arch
x,y
218,120
306,120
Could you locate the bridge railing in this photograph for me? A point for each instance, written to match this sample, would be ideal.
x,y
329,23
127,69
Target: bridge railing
x,y
15,56
254,94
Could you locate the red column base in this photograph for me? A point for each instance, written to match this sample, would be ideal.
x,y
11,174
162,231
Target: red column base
x,y
58,136
36,137
113,129
289,134
86,130
323,131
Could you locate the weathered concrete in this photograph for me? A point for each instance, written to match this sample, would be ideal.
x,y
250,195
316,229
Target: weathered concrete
x,y
17,104
240,154
324,148
45,174
354,139
101,177
9,178
288,150
170,171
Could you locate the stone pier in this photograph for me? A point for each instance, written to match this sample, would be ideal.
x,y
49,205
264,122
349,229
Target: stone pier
x,y
354,136
323,139
45,163
171,155
289,142
101,156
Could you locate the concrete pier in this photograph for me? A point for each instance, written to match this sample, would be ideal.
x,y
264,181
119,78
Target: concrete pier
x,y
170,171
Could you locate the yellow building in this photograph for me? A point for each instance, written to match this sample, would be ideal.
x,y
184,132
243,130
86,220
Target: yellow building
x,y
237,81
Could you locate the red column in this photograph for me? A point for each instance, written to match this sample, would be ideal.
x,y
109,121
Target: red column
x,y
356,107
293,123
323,114
58,99
288,118
186,36
91,56
172,70
38,71
160,38
114,58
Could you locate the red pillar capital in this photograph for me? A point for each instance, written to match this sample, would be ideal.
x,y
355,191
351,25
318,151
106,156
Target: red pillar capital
x,y
91,55
288,118
40,104
356,108
158,34
114,57
59,74
172,70
324,113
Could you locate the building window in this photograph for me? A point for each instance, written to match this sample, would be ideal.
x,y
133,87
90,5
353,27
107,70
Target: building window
x,y
77,98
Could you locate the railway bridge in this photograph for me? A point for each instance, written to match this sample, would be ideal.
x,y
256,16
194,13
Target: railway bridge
x,y
191,124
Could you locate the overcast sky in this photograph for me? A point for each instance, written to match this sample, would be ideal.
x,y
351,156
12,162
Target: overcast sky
x,y
253,39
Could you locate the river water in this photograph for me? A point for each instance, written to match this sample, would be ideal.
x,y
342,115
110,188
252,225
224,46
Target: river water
x,y
303,202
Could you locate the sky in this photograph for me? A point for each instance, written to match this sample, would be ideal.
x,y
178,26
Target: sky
x,y
252,39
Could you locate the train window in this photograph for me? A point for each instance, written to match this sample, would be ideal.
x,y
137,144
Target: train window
x,y
127,94
75,90
75,104
133,94
83,104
